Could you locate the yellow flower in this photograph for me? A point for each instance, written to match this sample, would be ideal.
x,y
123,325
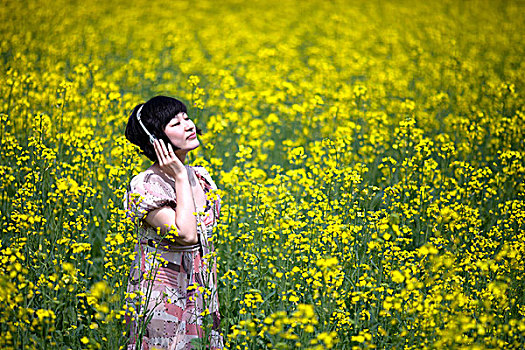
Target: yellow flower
x,y
397,276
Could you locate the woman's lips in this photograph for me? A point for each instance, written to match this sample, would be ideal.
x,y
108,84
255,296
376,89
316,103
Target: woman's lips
x,y
192,136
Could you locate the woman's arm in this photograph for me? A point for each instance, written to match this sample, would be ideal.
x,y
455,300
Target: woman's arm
x,y
182,219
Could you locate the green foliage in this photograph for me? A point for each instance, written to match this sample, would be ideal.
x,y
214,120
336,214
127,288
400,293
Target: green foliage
x,y
370,156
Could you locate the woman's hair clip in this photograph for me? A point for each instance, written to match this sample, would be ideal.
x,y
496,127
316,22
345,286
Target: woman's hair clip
x,y
152,138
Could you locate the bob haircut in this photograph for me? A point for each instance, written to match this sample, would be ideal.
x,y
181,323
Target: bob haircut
x,y
155,115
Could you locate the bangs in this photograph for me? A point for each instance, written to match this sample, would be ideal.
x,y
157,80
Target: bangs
x,y
164,109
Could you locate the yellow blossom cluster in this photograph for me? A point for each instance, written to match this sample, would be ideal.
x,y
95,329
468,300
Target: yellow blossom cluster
x,y
370,157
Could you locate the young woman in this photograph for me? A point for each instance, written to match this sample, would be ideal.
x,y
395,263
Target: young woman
x,y
173,280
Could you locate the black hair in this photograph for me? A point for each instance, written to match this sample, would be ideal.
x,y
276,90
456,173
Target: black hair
x,y
155,115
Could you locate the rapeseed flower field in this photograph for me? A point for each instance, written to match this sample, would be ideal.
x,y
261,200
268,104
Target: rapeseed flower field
x,y
370,156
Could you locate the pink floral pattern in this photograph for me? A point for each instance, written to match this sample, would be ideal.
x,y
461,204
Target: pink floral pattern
x,y
173,287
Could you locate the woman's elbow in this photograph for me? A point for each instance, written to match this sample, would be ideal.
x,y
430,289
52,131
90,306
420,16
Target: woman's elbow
x,y
189,241
187,238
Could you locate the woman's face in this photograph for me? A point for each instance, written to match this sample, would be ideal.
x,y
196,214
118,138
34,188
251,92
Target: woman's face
x,y
182,132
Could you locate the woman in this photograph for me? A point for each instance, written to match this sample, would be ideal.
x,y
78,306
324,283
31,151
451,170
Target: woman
x,y
173,282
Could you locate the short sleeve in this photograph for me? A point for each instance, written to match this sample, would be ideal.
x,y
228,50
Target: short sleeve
x,y
147,192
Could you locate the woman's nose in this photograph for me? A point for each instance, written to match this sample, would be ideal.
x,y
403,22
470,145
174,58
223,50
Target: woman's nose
x,y
188,125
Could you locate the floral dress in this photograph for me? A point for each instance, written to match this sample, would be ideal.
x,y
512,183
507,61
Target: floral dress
x,y
171,288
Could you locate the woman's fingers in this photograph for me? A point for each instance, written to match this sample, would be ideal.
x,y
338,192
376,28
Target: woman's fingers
x,y
168,160
170,150
167,155
160,153
167,150
173,156
156,147
163,148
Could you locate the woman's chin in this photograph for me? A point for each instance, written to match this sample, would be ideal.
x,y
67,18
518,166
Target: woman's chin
x,y
193,145
190,145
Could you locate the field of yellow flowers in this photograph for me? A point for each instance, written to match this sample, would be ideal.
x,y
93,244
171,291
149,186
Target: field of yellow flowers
x,y
370,154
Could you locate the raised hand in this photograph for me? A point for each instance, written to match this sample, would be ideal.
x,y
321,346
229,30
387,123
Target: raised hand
x,y
168,160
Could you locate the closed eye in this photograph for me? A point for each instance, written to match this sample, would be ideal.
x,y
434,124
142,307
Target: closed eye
x,y
178,122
